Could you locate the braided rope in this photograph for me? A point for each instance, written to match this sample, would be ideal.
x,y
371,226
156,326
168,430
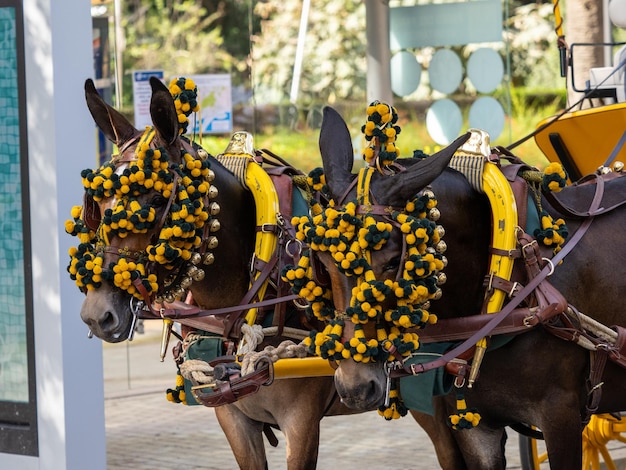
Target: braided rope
x,y
197,370
252,336
286,349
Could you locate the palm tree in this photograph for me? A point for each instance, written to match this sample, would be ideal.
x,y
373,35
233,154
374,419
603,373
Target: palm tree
x,y
584,24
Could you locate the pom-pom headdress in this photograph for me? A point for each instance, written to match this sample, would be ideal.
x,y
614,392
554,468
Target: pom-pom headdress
x,y
186,185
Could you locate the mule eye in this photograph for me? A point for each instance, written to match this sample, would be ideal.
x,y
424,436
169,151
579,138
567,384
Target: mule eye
x,y
393,264
158,201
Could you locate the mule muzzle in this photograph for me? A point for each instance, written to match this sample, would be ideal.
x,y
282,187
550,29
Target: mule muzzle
x,y
107,317
360,386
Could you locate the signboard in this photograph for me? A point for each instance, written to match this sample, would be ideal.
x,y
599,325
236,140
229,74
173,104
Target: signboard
x,y
214,96
142,94
216,106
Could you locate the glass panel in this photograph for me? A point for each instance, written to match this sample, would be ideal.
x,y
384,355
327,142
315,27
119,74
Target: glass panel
x,y
13,346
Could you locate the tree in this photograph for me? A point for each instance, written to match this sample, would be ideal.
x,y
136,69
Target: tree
x,y
180,37
584,24
532,45
334,66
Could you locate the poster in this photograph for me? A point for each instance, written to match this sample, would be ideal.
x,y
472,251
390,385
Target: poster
x,y
216,108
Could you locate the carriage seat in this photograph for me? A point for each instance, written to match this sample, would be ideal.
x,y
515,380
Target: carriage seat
x,y
610,80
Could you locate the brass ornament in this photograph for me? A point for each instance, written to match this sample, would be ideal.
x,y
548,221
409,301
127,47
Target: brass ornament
x,y
215,225
196,259
434,214
212,242
214,208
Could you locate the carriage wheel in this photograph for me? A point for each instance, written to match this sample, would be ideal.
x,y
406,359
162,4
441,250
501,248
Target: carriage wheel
x,y
601,438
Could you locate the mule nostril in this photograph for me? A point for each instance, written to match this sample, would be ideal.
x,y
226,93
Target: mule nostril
x,y
108,321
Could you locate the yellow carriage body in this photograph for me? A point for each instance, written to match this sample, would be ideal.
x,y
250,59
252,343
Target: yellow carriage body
x,y
584,140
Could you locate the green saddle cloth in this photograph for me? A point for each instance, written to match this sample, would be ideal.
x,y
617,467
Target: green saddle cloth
x,y
417,391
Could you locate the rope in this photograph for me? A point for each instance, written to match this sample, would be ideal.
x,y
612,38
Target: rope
x,y
286,349
594,327
200,371
252,336
532,176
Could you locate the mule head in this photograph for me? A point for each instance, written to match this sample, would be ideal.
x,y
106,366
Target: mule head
x,y
387,207
143,216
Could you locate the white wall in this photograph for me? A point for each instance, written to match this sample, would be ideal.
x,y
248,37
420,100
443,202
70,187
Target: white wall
x,y
61,141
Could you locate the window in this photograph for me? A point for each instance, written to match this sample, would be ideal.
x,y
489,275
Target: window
x,y
18,408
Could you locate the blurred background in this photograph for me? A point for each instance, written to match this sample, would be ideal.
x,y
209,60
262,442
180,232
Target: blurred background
x,y
454,64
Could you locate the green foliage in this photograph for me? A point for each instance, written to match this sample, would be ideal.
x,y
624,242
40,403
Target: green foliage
x,y
181,37
334,65
533,51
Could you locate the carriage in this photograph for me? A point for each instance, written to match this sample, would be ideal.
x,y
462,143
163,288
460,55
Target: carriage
x,y
244,251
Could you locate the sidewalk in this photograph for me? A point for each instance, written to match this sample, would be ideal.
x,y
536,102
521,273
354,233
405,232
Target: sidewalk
x,y
146,432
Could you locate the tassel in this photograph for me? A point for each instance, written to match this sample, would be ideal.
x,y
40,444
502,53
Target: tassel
x,y
177,395
396,408
464,418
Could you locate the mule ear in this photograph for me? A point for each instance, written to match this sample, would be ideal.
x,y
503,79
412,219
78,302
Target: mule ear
x,y
403,186
112,123
336,150
163,111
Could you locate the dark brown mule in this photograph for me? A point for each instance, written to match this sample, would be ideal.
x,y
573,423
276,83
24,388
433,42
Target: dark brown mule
x,y
107,309
536,378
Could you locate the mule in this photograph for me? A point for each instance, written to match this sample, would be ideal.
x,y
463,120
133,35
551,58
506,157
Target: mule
x,y
109,311
535,378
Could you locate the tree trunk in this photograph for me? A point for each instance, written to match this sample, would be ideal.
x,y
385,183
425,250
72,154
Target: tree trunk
x,y
583,24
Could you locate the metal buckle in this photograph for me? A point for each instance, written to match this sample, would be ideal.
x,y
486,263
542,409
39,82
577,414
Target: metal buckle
x,y
513,288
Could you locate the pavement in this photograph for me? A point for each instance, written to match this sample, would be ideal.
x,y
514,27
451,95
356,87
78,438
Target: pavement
x,y
144,431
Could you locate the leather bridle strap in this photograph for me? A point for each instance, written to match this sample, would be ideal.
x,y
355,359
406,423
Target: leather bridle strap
x,y
415,369
569,211
173,312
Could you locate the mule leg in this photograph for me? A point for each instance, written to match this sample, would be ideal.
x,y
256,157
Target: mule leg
x,y
302,437
245,437
448,454
483,447
563,436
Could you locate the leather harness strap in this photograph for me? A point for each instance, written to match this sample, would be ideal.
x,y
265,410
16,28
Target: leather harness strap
x,y
236,387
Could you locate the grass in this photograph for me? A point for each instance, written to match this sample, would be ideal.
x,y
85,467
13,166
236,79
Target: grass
x,y
300,146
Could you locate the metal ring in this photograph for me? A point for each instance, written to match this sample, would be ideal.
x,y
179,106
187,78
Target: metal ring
x,y
298,251
300,303
549,261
